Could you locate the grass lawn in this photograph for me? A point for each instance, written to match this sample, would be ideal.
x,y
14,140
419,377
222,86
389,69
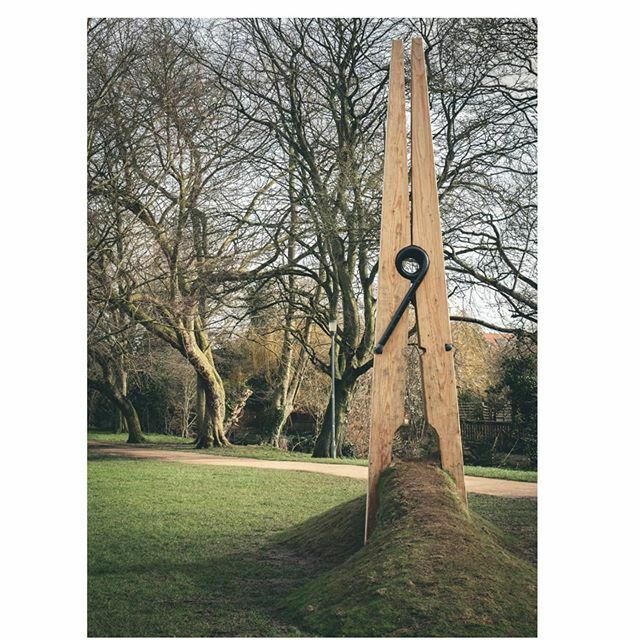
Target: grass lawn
x,y
264,452
183,550
516,518
428,570
260,452
501,473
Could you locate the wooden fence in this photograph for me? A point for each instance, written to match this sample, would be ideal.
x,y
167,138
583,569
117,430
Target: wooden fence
x,y
484,430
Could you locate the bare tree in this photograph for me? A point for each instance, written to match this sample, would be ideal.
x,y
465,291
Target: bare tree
x,y
482,76
111,339
239,163
315,88
164,162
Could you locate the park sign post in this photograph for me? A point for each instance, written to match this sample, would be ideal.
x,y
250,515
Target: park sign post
x,y
406,239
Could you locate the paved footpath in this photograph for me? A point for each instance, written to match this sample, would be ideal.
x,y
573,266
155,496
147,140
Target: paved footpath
x,y
490,486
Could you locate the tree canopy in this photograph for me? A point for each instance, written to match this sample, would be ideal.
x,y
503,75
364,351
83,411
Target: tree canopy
x,y
234,191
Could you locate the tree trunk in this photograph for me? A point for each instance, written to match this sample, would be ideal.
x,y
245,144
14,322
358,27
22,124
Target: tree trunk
x,y
344,393
123,404
197,350
201,409
119,419
289,374
236,414
285,399
277,417
211,420
277,414
188,397
133,423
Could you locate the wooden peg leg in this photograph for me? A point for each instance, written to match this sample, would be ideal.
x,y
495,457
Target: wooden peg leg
x,y
388,390
432,309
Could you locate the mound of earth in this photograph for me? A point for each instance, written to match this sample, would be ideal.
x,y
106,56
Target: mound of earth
x,y
430,567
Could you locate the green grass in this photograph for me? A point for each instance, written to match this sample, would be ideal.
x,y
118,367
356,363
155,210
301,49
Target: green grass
x,y
501,473
184,550
181,550
516,520
430,569
264,452
256,451
151,438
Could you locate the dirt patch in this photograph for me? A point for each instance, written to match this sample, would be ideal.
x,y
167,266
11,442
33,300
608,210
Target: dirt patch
x,y
489,486
192,457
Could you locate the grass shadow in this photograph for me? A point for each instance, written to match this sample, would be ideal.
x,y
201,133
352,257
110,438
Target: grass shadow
x,y
163,566
239,594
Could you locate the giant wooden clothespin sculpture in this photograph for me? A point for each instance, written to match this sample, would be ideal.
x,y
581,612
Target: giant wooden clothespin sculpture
x,y
418,239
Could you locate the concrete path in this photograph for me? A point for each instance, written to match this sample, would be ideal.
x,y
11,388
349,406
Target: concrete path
x,y
489,486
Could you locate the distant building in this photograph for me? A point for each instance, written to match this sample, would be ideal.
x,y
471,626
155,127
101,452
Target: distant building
x,y
498,340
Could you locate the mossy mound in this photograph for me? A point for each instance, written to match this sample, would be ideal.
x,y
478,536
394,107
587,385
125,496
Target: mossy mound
x,y
429,569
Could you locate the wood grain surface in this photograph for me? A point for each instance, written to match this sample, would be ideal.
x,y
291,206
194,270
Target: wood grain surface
x,y
398,229
432,309
388,389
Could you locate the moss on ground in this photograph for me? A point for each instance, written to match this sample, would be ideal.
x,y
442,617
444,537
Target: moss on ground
x,y
183,550
431,568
